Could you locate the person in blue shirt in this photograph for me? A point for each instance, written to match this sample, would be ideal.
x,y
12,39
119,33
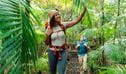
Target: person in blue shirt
x,y
82,48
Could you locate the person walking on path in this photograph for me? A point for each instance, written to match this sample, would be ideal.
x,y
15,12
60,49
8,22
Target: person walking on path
x,y
56,40
82,47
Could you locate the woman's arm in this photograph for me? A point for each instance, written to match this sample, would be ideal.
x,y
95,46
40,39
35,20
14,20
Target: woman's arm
x,y
77,20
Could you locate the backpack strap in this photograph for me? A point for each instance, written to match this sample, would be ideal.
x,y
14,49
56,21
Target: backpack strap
x,y
63,28
48,38
47,25
64,45
55,48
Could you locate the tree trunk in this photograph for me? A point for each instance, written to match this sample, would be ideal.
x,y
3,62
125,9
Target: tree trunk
x,y
118,13
101,33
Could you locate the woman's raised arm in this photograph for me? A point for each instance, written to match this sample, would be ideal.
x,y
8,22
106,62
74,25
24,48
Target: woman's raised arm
x,y
77,20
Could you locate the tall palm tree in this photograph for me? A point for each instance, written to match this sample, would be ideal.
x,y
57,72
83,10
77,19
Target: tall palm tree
x,y
17,39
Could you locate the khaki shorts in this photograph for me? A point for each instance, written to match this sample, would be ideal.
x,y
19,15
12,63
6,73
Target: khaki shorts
x,y
83,61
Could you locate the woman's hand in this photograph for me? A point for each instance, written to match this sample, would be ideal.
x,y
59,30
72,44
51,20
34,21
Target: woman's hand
x,y
83,3
78,19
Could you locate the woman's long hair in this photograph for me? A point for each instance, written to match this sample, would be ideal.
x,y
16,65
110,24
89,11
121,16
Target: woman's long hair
x,y
52,21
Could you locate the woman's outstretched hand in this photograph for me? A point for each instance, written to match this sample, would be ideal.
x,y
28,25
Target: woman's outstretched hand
x,y
83,3
77,20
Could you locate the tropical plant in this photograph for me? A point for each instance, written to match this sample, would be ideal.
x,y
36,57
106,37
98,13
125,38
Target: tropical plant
x,y
22,33
17,39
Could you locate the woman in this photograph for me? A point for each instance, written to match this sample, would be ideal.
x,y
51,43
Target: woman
x,y
56,40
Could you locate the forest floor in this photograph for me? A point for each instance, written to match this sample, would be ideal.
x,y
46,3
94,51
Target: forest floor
x,y
73,66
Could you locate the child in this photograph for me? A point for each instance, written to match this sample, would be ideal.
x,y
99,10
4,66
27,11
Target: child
x,y
82,53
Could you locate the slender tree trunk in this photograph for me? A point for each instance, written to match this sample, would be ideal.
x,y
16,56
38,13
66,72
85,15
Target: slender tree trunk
x,y
102,22
118,13
102,32
102,9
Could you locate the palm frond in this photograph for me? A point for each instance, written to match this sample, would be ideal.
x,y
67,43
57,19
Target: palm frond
x,y
113,69
78,6
10,20
17,38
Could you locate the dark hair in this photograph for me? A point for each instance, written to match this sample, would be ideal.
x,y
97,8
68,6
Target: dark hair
x,y
52,21
48,38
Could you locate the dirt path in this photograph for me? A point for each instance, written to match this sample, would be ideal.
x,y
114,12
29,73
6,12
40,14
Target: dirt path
x,y
73,64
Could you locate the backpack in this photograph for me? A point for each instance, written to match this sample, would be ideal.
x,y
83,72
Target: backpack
x,y
82,49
